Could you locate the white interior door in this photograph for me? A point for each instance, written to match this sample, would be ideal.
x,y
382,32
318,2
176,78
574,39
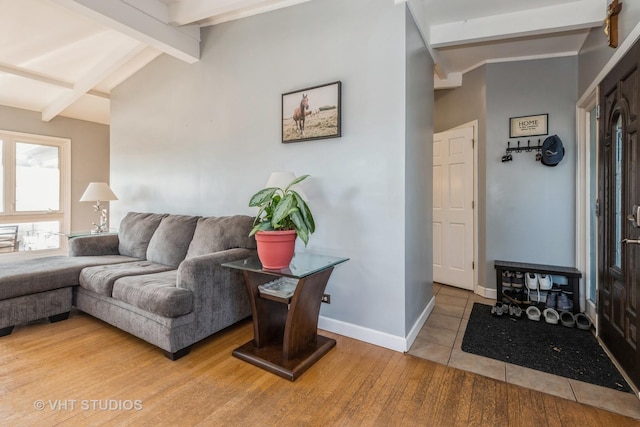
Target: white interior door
x,y
453,207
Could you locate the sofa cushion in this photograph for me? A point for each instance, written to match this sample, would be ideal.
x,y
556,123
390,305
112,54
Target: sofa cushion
x,y
135,233
156,293
215,234
100,279
171,240
31,276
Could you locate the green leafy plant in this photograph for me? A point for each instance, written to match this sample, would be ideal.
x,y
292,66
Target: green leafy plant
x,y
282,209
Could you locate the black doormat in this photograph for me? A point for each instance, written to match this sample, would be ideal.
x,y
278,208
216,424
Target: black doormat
x,y
567,352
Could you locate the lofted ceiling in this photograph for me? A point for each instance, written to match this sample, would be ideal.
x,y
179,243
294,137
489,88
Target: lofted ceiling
x,y
63,57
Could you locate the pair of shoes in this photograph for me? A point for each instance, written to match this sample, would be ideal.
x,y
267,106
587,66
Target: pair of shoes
x,y
551,316
507,279
542,282
567,319
533,313
518,280
515,296
565,302
583,322
552,299
515,310
499,309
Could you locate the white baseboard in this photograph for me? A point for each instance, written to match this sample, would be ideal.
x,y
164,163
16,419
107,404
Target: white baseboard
x,y
382,339
415,330
486,292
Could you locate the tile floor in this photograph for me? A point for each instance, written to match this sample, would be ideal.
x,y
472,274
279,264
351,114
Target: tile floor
x,y
440,341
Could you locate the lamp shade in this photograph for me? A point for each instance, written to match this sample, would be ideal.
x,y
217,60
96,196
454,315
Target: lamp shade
x,y
282,179
98,191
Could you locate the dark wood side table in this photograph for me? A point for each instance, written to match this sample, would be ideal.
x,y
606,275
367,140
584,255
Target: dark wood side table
x,y
285,330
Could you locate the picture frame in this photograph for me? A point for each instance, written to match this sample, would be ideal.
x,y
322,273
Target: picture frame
x,y
529,126
312,113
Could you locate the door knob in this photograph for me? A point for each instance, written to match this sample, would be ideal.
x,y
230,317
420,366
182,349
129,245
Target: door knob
x,y
631,242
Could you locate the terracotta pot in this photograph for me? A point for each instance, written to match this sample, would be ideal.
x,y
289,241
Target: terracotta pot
x,y
275,248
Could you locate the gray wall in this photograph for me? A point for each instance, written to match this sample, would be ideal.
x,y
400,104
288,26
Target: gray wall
x,y
419,175
595,52
526,211
454,107
202,138
89,153
530,208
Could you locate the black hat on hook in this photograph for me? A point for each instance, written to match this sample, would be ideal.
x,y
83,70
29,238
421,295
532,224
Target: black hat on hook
x,y
552,151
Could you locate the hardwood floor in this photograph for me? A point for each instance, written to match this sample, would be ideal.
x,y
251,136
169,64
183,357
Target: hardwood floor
x,y
85,372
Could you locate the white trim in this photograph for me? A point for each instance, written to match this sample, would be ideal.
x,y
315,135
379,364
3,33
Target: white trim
x,y
63,214
382,339
490,293
582,201
417,326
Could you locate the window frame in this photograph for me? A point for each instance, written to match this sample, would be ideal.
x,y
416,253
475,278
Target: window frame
x,y
9,214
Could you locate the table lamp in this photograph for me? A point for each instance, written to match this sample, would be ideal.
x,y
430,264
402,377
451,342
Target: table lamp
x,y
282,179
97,192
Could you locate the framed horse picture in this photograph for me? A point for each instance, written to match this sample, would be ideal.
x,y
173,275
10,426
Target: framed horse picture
x,y
312,113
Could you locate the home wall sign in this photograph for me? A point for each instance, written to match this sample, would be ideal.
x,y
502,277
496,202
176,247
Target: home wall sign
x,y
528,126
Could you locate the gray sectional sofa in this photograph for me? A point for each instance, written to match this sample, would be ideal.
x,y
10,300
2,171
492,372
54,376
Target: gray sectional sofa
x,y
159,279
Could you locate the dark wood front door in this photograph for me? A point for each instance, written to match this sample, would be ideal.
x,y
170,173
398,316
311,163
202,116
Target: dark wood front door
x,y
619,192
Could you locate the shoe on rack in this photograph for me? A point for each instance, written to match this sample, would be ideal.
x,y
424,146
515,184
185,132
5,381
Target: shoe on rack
x,y
583,322
507,278
518,280
551,316
531,279
567,319
544,282
533,313
565,302
552,299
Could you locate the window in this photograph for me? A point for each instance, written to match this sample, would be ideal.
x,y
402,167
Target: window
x,y
34,190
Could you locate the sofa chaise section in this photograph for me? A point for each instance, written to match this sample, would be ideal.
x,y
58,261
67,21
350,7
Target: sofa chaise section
x,y
39,288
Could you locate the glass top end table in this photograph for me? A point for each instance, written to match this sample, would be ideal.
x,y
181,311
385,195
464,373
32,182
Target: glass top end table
x,y
302,265
285,330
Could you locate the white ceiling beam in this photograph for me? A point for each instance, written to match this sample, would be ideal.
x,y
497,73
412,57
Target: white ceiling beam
x,y
98,73
209,12
451,81
544,20
32,75
182,43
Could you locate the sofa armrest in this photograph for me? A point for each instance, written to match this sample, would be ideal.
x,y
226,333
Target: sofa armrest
x,y
105,244
220,295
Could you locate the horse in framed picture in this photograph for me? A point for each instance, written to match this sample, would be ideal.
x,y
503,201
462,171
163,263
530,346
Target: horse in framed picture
x,y
299,114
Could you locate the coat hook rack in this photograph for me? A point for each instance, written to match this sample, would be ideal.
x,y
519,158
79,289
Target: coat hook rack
x,y
520,148
527,148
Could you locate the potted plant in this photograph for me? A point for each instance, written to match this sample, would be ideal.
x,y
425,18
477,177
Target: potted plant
x,y
283,215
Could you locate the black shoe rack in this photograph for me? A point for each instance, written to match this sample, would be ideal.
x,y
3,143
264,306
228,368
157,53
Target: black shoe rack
x,y
572,274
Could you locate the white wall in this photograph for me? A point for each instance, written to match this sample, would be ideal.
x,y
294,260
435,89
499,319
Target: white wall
x,y
526,210
202,138
89,154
